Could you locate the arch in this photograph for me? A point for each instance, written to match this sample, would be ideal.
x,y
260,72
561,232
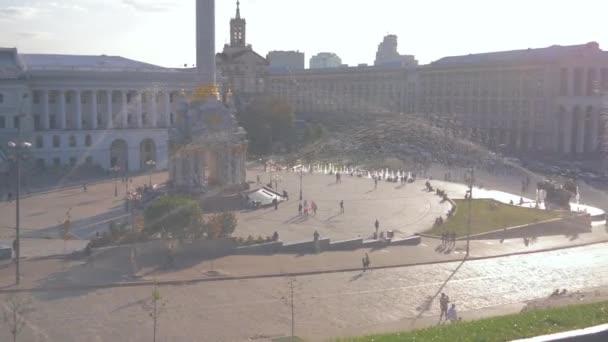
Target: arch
x,y
56,141
88,141
72,141
119,155
147,151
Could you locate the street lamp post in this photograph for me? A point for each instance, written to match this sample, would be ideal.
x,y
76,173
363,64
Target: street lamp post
x,y
301,175
115,169
151,165
18,146
471,180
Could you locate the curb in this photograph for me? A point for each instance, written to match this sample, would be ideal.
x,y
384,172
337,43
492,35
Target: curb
x,y
283,274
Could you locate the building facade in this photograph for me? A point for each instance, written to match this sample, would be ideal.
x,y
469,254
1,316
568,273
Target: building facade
x,y
345,90
282,61
535,100
242,70
324,60
89,110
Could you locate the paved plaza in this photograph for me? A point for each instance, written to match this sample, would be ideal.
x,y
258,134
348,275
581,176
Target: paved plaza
x,y
326,306
404,209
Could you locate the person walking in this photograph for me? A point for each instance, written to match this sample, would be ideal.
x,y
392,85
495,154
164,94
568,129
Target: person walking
x,y
313,207
444,300
453,238
342,206
275,202
300,209
452,315
367,262
258,180
375,183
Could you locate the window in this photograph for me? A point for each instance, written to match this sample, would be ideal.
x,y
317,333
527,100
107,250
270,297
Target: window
x,y
56,141
88,141
72,161
16,122
171,119
2,121
68,98
56,162
36,97
89,160
37,124
39,142
52,122
52,98
1,98
40,164
72,141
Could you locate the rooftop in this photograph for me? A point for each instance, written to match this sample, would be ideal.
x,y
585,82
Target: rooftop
x,y
548,54
102,62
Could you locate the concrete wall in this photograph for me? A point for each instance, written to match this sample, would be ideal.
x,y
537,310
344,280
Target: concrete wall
x,y
562,226
346,245
306,247
409,241
265,248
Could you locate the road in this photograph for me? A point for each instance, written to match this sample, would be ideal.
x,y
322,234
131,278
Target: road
x,y
326,306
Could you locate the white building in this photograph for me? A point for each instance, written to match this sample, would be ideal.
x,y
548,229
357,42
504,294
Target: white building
x,y
324,60
98,110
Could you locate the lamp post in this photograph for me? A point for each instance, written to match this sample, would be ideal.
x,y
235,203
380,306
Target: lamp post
x,y
18,146
301,175
151,165
115,169
471,180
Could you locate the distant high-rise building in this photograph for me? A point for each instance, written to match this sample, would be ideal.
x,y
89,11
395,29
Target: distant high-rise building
x,y
388,55
325,60
285,60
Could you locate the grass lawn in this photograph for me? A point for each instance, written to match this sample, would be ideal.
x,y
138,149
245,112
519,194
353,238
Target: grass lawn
x,y
488,215
505,328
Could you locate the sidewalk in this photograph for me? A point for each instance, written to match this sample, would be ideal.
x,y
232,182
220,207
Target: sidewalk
x,y
115,270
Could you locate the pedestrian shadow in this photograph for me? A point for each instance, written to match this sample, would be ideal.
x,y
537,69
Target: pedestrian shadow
x,y
400,187
370,191
332,217
428,302
356,277
445,248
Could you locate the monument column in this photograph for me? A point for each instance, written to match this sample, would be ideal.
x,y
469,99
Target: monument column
x,y
46,117
124,110
62,113
205,41
78,100
109,110
93,124
138,109
153,109
167,109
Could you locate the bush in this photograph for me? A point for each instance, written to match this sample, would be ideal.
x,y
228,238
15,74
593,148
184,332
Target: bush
x,y
177,215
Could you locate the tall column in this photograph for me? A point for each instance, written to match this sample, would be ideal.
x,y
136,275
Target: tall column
x,y
46,117
78,100
595,127
109,110
62,113
580,135
205,41
167,109
567,131
93,124
138,110
153,109
124,110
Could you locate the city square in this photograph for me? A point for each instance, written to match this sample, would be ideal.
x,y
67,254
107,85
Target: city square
x,y
240,197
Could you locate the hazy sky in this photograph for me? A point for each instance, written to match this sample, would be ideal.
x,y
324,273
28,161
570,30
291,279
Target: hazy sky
x,y
162,31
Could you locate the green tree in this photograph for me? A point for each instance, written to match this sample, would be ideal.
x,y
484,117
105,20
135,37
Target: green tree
x,y
268,121
222,224
178,215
